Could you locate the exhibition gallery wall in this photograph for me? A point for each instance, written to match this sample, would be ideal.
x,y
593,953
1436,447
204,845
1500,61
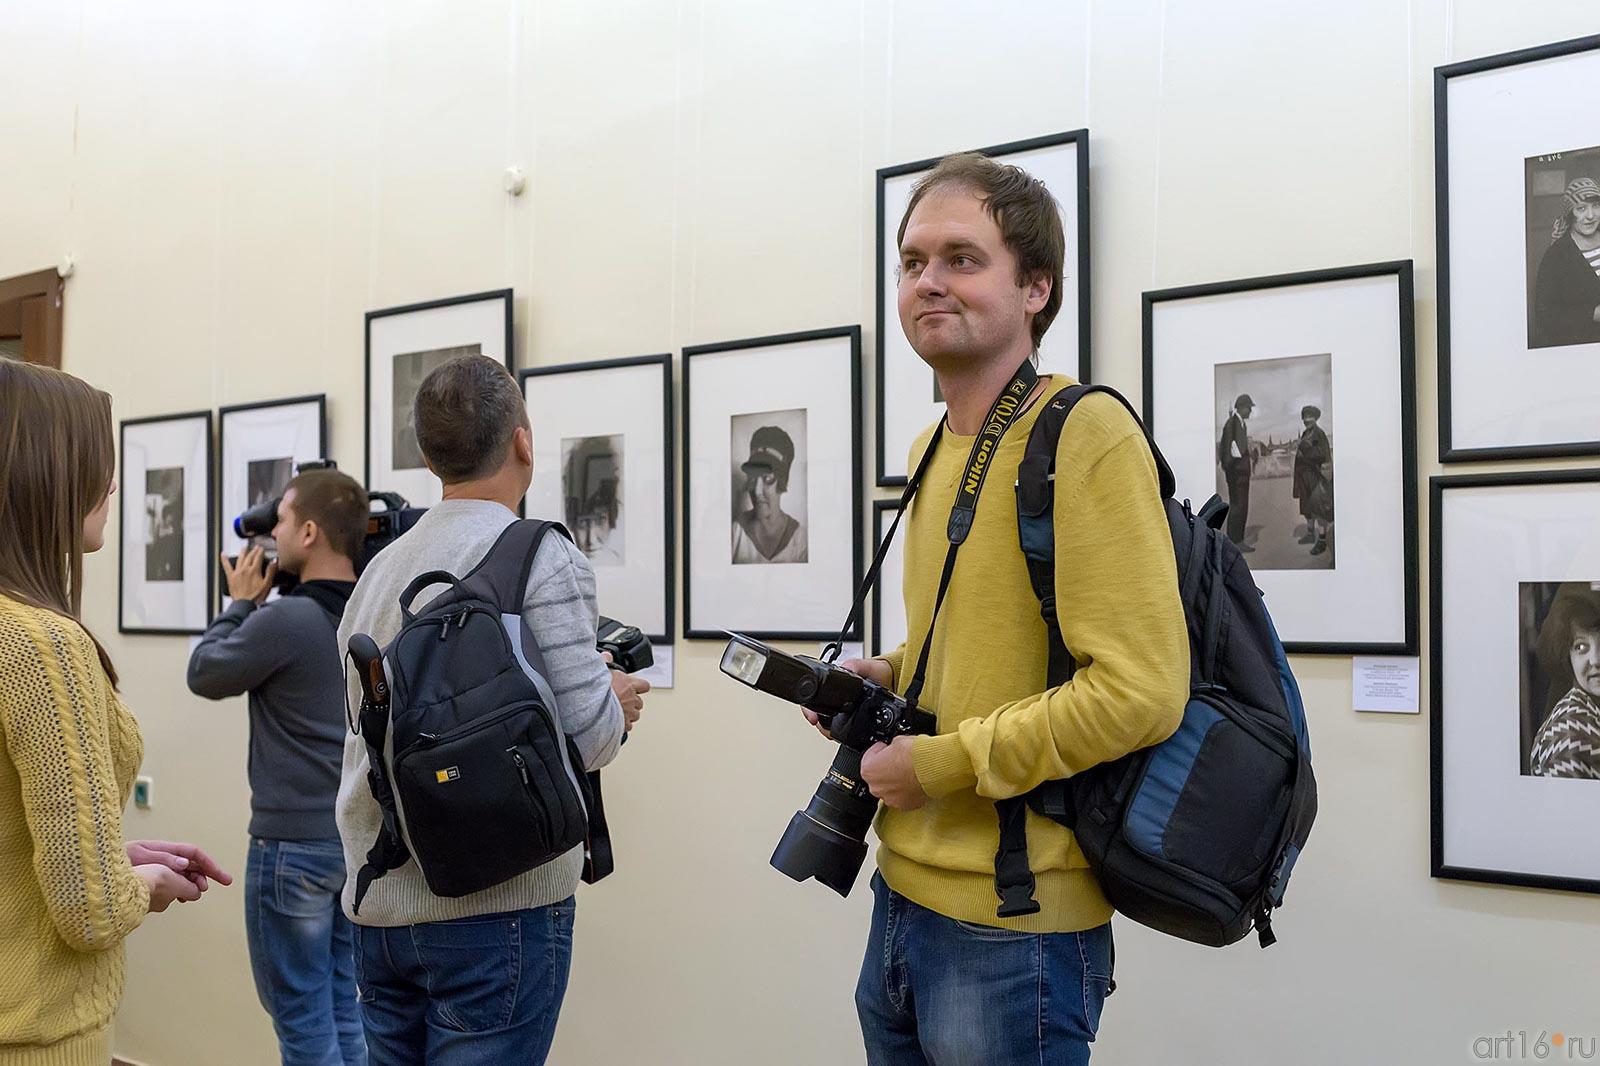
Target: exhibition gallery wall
x,y
1342,261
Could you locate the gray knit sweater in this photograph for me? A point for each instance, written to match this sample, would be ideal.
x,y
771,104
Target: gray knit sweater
x,y
560,611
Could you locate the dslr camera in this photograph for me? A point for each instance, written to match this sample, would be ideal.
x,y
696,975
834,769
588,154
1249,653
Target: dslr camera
x,y
827,840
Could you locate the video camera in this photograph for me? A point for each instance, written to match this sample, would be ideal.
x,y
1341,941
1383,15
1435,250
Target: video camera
x,y
383,526
828,840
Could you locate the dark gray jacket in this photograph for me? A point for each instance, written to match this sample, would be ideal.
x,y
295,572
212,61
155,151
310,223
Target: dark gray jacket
x,y
286,656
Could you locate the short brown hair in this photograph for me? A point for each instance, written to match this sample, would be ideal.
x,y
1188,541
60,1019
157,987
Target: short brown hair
x,y
337,503
465,413
1028,217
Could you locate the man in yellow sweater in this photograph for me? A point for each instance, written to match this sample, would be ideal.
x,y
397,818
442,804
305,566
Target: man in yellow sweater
x,y
945,980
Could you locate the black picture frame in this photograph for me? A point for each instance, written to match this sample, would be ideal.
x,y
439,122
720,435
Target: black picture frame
x,y
1438,485
505,295
669,457
1079,138
1448,451
1403,271
210,523
320,399
853,334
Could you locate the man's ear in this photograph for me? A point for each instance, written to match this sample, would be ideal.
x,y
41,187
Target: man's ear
x,y
1039,293
522,445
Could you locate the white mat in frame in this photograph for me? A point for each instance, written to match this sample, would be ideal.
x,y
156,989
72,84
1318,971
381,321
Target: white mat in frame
x,y
1361,319
404,344
905,399
260,446
1490,536
1501,124
800,393
609,422
888,594
166,555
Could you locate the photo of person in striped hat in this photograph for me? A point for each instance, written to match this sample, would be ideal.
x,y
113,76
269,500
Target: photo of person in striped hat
x,y
1565,308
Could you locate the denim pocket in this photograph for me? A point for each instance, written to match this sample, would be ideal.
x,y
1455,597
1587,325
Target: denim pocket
x,y
307,879
992,933
474,969
1095,990
364,939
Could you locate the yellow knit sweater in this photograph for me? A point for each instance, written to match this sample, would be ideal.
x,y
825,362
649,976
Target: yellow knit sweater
x,y
1000,731
68,754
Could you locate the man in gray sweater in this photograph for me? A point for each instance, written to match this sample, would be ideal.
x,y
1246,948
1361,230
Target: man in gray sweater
x,y
285,654
476,978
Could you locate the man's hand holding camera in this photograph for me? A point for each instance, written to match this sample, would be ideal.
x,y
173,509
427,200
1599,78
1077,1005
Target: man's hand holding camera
x,y
630,692
890,775
886,768
250,577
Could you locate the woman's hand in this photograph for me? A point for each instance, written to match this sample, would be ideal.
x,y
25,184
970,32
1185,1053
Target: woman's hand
x,y
166,885
187,860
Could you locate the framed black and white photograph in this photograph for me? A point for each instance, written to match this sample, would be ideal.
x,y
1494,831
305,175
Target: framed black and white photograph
x,y
888,595
772,488
1517,173
405,345
165,562
908,399
1293,399
260,445
602,466
1515,604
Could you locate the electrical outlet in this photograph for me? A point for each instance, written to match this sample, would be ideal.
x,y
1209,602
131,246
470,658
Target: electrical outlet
x,y
142,787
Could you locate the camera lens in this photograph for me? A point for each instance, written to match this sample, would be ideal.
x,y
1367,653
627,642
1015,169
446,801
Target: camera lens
x,y
827,840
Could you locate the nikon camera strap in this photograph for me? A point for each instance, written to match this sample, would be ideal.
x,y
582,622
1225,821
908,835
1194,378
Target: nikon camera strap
x,y
1003,412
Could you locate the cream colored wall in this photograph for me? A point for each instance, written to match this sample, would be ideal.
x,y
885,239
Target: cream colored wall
x,y
240,182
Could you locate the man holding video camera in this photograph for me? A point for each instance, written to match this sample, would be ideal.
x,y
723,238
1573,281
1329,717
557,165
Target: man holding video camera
x,y
285,654
480,977
945,980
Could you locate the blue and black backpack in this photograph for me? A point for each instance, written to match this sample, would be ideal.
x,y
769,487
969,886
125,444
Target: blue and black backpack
x,y
1194,836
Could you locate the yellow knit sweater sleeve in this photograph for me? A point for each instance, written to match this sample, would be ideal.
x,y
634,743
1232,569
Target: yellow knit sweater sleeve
x,y
55,704
1116,582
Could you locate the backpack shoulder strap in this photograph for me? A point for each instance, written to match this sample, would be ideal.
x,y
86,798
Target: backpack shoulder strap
x,y
501,576
1039,459
1036,474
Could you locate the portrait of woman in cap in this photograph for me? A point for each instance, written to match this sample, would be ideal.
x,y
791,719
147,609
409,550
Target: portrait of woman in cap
x,y
763,532
1566,290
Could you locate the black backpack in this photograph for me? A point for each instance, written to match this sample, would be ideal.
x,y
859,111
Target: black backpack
x,y
1195,836
476,780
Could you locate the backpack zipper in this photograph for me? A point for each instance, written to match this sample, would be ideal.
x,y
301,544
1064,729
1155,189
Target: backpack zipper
x,y
427,739
522,767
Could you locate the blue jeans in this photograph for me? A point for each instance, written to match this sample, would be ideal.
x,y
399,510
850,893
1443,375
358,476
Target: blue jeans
x,y
938,992
482,991
302,950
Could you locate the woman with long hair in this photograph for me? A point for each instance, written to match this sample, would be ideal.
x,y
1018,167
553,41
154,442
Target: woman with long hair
x,y
69,749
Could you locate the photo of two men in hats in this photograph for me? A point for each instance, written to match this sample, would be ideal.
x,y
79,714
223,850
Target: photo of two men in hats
x,y
1274,459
